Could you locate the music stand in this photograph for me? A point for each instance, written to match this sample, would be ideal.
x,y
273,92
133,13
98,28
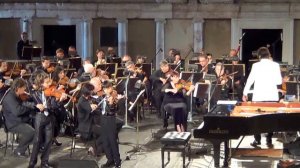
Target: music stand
x,y
187,76
231,68
120,73
116,60
193,61
111,68
27,52
75,62
146,67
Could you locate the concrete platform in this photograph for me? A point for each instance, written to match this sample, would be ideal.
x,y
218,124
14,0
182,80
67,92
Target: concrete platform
x,y
150,155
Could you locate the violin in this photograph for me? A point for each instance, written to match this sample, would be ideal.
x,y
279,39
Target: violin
x,y
64,81
50,69
52,91
182,84
25,96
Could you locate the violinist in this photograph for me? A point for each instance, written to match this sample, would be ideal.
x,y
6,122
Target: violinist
x,y
3,69
175,101
89,72
140,59
111,54
138,73
100,57
43,119
125,59
224,80
59,81
158,79
205,66
109,127
87,128
72,52
45,66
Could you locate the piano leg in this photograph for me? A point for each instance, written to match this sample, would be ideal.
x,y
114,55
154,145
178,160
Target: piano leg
x,y
226,153
216,145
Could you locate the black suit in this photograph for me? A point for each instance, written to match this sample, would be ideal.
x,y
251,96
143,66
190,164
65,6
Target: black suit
x,y
16,113
20,46
156,87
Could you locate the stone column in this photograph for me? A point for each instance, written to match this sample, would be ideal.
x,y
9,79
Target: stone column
x,y
122,36
198,34
160,41
87,38
26,27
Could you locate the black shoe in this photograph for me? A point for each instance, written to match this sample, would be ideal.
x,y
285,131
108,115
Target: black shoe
x,y
31,166
108,164
20,155
269,143
56,142
255,143
46,165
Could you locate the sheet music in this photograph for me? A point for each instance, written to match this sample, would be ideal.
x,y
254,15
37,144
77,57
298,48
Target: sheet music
x,y
176,135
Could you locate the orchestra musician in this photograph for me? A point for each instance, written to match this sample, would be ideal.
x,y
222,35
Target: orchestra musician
x,y
265,75
111,54
224,80
100,57
171,54
72,52
109,128
60,58
87,128
125,59
43,119
140,59
175,96
17,115
3,69
22,43
205,67
158,79
59,83
45,66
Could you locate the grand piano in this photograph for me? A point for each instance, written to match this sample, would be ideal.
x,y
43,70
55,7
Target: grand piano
x,y
226,122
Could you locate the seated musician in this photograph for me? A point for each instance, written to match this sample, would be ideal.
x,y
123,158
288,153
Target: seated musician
x,y
205,67
89,72
59,84
81,69
140,59
16,113
171,54
175,97
125,59
158,79
266,76
72,52
87,128
60,58
45,65
100,57
223,80
3,69
111,54
138,73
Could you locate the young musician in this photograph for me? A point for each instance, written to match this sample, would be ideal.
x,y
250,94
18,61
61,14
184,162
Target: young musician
x,y
223,80
16,113
265,75
43,119
45,65
109,127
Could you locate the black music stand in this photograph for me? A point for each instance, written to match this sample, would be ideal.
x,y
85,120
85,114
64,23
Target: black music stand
x,y
75,62
29,52
111,68
187,76
231,68
120,72
116,60
291,91
146,67
193,61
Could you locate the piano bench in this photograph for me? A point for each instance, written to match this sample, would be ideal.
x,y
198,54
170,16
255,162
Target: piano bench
x,y
176,142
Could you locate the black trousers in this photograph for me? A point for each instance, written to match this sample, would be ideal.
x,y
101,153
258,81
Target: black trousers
x,y
43,135
109,139
26,136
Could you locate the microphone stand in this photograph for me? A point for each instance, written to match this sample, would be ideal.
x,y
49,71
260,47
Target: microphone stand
x,y
126,104
159,51
137,148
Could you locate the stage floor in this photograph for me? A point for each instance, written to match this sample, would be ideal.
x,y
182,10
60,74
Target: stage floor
x,y
150,155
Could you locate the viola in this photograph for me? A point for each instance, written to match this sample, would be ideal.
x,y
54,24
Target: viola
x,y
54,92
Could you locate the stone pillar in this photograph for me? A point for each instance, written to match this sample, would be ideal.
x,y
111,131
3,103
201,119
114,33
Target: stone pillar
x,y
122,36
160,41
198,34
26,27
86,38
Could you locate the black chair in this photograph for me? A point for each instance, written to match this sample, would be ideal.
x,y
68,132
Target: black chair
x,y
13,135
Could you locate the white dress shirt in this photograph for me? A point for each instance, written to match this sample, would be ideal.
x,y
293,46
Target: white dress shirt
x,y
265,75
